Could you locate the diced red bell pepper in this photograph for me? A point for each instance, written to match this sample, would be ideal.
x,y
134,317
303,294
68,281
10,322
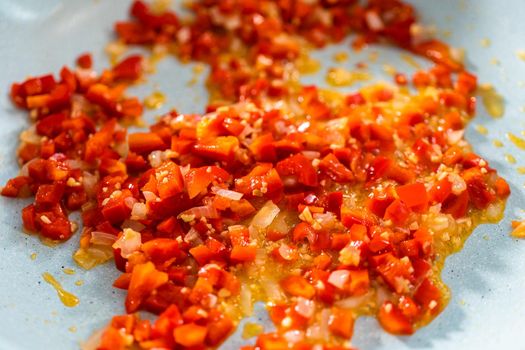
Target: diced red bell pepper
x,y
300,167
341,322
297,286
335,169
221,148
190,335
161,249
145,278
169,180
413,195
145,142
198,179
130,68
393,320
398,212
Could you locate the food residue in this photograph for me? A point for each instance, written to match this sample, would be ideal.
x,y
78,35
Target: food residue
x,y
155,100
341,56
66,298
410,60
197,70
251,330
481,129
33,256
485,42
521,170
306,64
497,143
516,140
521,54
79,283
68,271
518,229
510,159
340,77
493,102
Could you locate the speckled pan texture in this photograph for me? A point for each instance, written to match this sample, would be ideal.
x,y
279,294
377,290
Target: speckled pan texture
x,y
487,278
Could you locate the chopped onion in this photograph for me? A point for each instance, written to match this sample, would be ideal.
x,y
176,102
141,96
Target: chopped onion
x,y
265,215
495,210
205,211
454,136
149,196
294,336
132,224
373,21
76,164
130,201
272,289
102,238
311,154
421,34
128,243
326,220
234,196
88,258
192,236
458,184
89,181
305,307
310,199
156,158
352,302
286,252
139,211
24,171
338,278
323,324
30,136
246,300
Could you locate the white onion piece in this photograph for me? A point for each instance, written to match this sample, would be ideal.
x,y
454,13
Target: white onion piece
x,y
311,154
102,238
234,196
76,164
128,243
156,158
352,302
130,201
246,300
192,236
338,278
286,252
139,211
326,220
30,136
272,289
149,196
265,215
305,307
294,336
324,322
132,224
373,21
205,211
89,181
458,184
